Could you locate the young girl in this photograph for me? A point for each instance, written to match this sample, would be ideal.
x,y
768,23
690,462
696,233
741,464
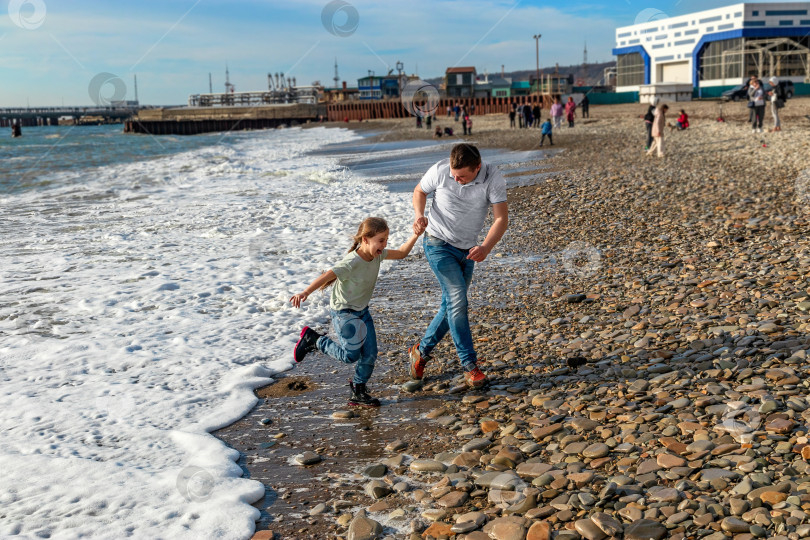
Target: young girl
x,y
354,279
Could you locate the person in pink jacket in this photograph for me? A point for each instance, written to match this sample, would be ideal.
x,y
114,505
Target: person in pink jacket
x,y
570,107
659,123
557,112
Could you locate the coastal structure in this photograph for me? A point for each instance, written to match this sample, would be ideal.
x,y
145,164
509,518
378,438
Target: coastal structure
x,y
460,82
341,93
115,113
716,49
280,90
194,120
378,86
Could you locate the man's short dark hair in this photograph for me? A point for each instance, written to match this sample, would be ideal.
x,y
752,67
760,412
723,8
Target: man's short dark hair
x,y
465,156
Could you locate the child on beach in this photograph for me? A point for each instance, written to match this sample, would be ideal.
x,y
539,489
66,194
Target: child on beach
x,y
557,112
683,121
354,279
546,130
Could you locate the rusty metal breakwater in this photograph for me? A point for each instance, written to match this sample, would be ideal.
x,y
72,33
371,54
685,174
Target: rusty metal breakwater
x,y
393,108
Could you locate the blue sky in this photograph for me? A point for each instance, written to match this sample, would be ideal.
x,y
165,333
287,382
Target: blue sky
x,y
51,50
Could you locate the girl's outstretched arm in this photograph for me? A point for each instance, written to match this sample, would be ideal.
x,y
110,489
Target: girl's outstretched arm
x,y
405,248
324,278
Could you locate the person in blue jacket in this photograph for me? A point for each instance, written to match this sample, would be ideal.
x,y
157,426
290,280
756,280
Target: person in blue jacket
x,y
546,130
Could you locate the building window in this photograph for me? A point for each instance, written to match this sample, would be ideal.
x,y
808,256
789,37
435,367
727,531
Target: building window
x,y
720,61
662,36
755,13
677,34
691,32
633,41
711,19
785,12
804,21
710,28
625,34
785,23
725,26
678,25
658,46
753,23
738,15
629,69
684,42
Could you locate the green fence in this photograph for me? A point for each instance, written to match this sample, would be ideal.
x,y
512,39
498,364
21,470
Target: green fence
x,y
607,98
709,92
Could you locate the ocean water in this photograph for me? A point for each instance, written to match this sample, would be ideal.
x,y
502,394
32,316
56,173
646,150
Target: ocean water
x,y
144,296
145,286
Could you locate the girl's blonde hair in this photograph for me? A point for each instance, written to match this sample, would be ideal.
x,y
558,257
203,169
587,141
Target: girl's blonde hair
x,y
371,226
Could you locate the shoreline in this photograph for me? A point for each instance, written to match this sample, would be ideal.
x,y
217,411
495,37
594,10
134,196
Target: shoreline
x,y
684,283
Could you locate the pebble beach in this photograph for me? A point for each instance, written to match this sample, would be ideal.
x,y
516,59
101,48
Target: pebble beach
x,y
683,281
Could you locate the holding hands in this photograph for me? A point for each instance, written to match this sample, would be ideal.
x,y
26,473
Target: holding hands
x,y
419,225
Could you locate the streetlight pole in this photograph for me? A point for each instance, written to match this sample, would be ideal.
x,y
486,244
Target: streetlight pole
x,y
537,59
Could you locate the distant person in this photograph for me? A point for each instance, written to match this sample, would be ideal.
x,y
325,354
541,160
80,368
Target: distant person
x,y
750,90
527,116
418,122
354,278
658,128
457,110
649,118
536,115
465,190
437,134
464,124
520,116
570,109
449,111
512,118
758,99
16,131
546,131
585,104
777,97
557,112
469,124
683,121
428,121
448,131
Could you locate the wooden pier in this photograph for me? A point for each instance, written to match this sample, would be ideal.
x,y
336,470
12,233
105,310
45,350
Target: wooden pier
x,y
195,120
393,108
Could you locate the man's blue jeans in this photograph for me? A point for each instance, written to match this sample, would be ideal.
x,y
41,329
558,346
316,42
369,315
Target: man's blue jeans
x,y
358,342
454,271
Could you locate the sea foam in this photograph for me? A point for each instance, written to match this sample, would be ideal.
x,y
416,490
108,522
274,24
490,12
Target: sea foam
x,y
142,304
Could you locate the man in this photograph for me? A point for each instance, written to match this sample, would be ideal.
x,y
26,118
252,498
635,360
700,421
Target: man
x,y
585,104
463,190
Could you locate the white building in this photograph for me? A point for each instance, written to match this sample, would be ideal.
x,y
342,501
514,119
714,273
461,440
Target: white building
x,y
716,49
